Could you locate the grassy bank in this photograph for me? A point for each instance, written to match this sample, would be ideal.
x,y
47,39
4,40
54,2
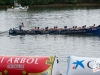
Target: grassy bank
x,y
61,5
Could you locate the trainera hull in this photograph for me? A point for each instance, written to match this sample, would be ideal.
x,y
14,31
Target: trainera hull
x,y
90,31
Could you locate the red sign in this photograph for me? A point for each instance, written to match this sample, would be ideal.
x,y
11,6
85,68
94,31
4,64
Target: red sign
x,y
16,65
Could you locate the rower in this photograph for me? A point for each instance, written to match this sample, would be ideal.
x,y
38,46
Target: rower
x,y
65,27
98,26
38,28
46,28
92,26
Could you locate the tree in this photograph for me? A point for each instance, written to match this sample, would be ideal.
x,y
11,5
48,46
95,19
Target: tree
x,y
9,2
66,1
46,1
2,2
73,1
31,2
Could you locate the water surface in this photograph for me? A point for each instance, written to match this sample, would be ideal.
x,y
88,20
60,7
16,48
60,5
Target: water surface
x,y
47,45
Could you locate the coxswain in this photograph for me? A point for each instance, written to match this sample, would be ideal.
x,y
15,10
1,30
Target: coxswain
x,y
21,26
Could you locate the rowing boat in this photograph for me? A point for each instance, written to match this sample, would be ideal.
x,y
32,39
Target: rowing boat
x,y
90,31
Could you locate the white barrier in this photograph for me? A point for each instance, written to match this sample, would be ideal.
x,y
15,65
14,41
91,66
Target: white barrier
x,y
28,65
83,66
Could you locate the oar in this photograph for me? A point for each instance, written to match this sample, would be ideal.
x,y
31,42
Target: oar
x,y
6,31
3,32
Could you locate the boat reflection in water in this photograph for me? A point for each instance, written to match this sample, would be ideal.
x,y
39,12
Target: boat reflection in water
x,y
74,31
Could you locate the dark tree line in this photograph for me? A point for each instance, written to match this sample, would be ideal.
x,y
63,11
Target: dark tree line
x,y
43,2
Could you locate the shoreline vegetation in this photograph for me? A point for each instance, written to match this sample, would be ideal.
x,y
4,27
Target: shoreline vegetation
x,y
61,5
51,3
57,5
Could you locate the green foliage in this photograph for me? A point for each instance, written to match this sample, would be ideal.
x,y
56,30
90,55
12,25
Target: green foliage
x,y
99,1
43,2
8,2
46,1
73,1
2,2
39,1
67,1
31,2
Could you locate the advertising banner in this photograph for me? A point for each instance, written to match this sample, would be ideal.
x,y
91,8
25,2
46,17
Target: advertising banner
x,y
28,65
83,66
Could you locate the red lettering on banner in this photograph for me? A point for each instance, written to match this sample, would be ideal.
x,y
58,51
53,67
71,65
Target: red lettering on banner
x,y
16,60
23,60
10,60
2,59
19,60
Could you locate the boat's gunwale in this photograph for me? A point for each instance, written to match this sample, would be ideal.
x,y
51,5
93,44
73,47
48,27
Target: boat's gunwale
x,y
95,30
